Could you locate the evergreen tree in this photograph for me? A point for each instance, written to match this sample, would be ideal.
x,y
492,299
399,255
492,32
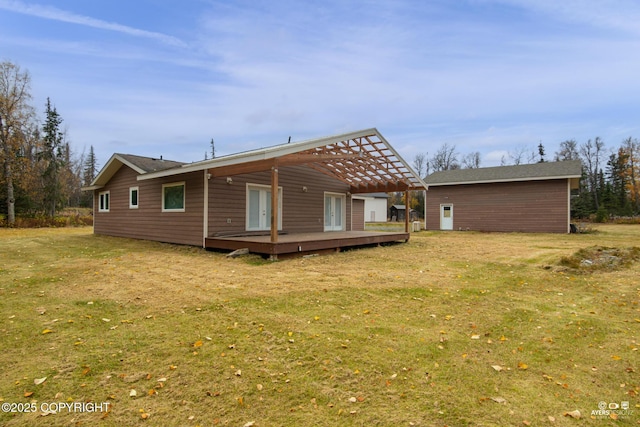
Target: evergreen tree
x,y
53,158
617,166
541,153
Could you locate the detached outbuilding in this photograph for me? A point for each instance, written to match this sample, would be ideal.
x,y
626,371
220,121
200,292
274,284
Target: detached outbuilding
x,y
523,198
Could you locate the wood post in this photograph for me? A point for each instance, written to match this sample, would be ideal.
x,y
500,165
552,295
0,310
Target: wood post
x,y
406,211
274,203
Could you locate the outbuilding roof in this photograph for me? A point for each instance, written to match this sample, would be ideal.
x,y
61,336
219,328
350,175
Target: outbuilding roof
x,y
571,169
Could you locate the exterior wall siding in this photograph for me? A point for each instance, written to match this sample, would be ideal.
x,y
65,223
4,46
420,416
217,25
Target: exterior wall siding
x,y
357,218
531,206
148,221
302,211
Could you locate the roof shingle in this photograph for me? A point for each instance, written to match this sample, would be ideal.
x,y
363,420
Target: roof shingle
x,y
528,172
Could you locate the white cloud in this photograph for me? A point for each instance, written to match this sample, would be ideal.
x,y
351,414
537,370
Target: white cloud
x,y
53,13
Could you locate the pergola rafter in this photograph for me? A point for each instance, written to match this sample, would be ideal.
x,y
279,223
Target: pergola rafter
x,y
364,160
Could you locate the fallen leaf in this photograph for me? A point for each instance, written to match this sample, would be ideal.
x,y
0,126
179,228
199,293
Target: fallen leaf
x,y
46,331
197,344
133,393
551,419
497,367
523,366
527,423
616,357
475,337
573,414
161,380
499,399
28,393
249,424
39,381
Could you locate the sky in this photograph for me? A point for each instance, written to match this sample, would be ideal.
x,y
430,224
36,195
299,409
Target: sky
x,y
164,77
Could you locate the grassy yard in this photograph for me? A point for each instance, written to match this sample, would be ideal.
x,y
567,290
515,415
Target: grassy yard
x,y
450,329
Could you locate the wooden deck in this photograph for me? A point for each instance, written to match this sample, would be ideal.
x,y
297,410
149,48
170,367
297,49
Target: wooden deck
x,y
304,243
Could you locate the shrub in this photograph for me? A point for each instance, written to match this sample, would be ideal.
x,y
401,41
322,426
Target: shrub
x,y
601,215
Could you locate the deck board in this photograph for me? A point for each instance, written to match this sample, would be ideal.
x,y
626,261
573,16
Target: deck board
x,y
303,243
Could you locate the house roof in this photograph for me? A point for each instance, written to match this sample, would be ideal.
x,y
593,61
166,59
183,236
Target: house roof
x,y
530,172
363,159
141,165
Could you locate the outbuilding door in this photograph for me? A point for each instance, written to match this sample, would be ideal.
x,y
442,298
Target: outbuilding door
x,y
446,217
334,212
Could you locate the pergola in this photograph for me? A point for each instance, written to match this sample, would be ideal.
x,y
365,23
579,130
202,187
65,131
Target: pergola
x,y
364,160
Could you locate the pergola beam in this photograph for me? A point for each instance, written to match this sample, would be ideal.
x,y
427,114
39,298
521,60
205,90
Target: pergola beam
x,y
365,163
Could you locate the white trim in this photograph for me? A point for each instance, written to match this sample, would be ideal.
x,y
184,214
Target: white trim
x,y
110,168
343,214
184,196
568,206
131,190
442,205
490,181
262,187
205,213
104,201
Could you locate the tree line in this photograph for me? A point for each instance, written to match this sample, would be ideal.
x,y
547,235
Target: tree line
x,y
39,172
609,186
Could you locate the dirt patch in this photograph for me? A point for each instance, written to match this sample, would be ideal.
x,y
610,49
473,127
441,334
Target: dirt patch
x,y
601,258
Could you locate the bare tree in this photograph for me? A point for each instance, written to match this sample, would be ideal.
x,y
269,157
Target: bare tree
x,y
15,114
517,156
471,160
421,165
445,158
591,153
568,151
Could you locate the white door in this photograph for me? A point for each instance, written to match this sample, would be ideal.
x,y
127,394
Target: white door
x,y
446,217
334,212
259,208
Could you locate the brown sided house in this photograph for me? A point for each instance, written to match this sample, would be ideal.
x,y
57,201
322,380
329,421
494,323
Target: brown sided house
x,y
524,198
294,197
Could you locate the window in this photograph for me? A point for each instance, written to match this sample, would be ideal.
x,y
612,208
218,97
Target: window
x,y
173,196
133,198
103,202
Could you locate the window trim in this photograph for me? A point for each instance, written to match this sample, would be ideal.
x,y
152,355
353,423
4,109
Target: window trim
x,y
104,201
137,204
184,196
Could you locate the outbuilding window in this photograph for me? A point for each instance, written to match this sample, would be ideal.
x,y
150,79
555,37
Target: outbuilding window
x,y
173,197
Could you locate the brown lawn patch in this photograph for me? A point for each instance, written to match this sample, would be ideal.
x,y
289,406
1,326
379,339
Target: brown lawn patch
x,y
457,328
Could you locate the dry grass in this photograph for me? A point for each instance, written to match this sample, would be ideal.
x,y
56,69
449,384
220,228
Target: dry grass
x,y
401,335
